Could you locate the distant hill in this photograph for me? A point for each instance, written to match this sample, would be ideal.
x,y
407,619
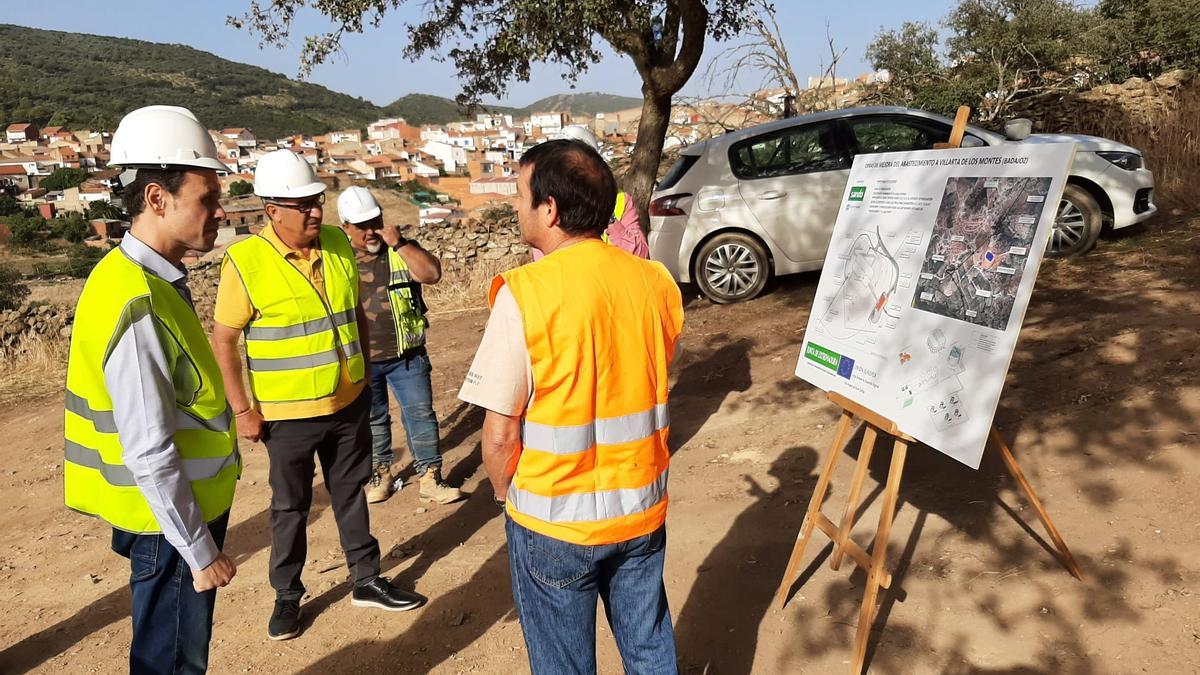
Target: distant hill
x,y
418,109
588,103
94,80
425,109
79,80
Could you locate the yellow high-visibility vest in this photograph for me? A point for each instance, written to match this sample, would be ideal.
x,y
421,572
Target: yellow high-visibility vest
x,y
297,340
618,212
96,481
408,304
593,468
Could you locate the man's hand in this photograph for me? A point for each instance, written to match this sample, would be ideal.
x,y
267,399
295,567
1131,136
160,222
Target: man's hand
x,y
249,425
216,575
390,235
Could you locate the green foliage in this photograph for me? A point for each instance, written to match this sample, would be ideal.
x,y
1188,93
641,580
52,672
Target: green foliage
x,y
71,226
59,119
241,187
1145,38
63,178
79,263
910,55
29,233
103,209
13,289
9,206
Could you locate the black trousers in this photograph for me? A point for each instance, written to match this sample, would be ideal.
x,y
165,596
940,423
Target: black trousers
x,y
342,441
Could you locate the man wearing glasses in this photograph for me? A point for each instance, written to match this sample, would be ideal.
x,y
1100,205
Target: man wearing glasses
x,y
292,290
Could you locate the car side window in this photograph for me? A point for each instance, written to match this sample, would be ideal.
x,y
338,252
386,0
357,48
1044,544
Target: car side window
x,y
890,134
806,149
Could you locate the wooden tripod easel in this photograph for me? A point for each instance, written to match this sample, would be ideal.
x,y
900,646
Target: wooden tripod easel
x,y
873,563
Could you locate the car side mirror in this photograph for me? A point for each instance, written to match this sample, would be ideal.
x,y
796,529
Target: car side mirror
x,y
1018,129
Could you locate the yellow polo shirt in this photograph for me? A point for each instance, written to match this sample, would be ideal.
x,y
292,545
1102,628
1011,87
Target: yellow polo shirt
x,y
233,310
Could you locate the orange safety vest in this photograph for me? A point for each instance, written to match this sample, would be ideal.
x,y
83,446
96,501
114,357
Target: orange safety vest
x,y
601,327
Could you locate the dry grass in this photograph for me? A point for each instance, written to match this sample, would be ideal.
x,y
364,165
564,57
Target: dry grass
x,y
464,289
1170,140
35,368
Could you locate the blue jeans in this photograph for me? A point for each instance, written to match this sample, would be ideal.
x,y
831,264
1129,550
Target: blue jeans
x,y
409,379
172,623
555,585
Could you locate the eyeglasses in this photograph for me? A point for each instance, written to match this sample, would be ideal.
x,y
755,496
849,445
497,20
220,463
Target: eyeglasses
x,y
303,205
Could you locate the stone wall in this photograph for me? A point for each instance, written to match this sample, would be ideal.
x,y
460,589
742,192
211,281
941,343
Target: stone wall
x,y
35,319
1111,110
462,243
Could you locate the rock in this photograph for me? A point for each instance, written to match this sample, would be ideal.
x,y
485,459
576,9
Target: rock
x,y
458,619
14,327
421,510
1174,78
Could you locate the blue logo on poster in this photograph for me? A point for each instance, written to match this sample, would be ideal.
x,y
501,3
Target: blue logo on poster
x,y
846,367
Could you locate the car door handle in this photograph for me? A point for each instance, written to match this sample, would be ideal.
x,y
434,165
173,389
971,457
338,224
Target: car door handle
x,y
772,194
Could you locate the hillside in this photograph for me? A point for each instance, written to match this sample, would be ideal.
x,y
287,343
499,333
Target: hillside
x,y
418,109
79,80
426,109
94,80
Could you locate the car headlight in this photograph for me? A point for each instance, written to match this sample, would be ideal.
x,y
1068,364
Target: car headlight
x,y
1130,161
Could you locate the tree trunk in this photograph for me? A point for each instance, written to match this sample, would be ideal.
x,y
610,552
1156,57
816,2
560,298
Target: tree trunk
x,y
647,153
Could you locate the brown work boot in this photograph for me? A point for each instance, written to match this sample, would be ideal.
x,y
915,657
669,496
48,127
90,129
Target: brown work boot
x,y
434,489
381,485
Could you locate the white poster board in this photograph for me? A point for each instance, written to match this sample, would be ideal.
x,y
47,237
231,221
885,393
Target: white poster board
x,y
925,285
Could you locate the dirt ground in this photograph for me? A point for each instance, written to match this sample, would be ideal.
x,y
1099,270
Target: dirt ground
x,y
1101,406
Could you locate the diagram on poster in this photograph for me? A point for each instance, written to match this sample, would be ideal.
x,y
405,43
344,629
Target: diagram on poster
x,y
925,285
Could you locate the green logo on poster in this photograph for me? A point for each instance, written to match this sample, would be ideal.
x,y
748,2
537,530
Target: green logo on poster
x,y
822,356
858,193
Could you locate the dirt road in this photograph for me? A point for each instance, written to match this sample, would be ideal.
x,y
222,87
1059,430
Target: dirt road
x,y
1102,407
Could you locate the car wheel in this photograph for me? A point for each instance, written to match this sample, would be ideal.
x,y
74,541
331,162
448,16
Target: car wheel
x,y
1076,225
732,268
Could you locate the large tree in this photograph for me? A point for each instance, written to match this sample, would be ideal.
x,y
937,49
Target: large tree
x,y
494,42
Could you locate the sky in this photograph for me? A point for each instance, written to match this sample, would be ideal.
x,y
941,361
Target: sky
x,y
372,66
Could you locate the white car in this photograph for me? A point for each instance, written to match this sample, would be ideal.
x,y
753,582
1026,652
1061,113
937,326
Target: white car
x,y
738,209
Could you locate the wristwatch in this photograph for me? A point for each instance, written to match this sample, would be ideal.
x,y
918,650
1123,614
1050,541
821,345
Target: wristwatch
x,y
499,502
400,243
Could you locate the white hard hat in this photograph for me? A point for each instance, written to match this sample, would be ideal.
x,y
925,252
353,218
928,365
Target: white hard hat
x,y
357,205
163,136
283,173
578,132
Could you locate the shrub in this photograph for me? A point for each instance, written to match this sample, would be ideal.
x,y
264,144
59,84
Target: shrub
x,y
12,289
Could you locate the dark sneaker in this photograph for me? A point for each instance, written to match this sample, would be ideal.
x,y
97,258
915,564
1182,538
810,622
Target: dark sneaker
x,y
381,594
285,620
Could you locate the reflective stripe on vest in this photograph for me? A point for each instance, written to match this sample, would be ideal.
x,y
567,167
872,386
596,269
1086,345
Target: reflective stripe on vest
x,y
118,475
105,423
589,506
611,431
298,340
96,482
593,466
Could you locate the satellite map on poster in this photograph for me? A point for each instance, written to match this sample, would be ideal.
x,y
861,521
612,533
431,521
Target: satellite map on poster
x,y
929,271
980,244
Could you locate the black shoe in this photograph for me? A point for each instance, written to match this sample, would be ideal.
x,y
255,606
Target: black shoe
x,y
381,594
285,620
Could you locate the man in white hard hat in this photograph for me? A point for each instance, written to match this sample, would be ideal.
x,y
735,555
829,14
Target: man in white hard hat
x,y
624,230
292,291
150,443
391,270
